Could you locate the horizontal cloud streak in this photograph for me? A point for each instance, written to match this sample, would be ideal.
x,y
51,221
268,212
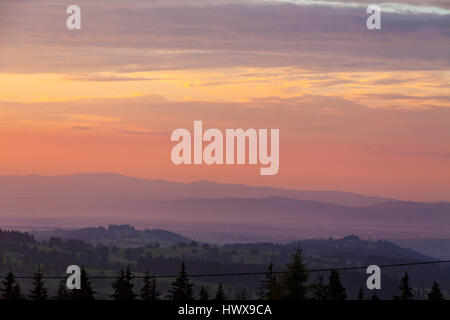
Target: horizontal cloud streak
x,y
398,6
118,38
100,78
323,117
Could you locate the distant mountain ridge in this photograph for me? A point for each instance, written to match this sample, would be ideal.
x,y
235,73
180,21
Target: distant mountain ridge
x,y
350,247
203,209
413,216
107,184
437,248
122,235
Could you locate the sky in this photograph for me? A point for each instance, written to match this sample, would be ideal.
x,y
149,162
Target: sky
x,y
358,110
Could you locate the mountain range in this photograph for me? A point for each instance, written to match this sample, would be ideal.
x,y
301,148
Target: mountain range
x,y
108,184
204,209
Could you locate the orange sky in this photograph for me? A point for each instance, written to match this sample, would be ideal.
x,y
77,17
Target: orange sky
x,y
356,111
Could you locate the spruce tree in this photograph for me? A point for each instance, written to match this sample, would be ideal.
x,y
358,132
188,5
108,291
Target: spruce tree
x,y
374,297
11,288
39,292
149,291
294,284
360,295
203,295
181,286
270,286
118,285
85,292
435,293
241,295
63,293
17,292
145,292
319,290
155,293
336,290
123,286
220,295
276,290
405,289
266,283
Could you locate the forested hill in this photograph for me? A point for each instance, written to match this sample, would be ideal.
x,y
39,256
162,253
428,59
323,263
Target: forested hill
x,y
350,248
22,254
119,235
16,236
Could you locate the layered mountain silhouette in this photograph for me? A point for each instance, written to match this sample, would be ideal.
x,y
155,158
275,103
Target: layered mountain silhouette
x,y
111,198
107,184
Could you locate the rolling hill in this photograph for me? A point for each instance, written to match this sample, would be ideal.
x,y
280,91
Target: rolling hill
x,y
119,235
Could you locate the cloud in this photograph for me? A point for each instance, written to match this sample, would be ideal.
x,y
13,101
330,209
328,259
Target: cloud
x,y
182,35
81,128
391,80
112,78
393,96
309,117
332,82
397,5
410,151
147,133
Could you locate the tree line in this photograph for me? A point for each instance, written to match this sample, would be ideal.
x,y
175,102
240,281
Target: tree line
x,y
290,285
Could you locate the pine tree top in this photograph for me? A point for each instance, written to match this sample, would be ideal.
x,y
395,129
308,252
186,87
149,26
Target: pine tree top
x,y
435,293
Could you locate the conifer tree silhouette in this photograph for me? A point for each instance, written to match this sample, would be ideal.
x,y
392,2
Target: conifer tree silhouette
x,y
270,286
241,295
336,290
39,292
63,293
181,286
203,295
220,295
374,297
149,291
11,288
85,292
123,286
435,293
405,289
294,282
319,290
360,295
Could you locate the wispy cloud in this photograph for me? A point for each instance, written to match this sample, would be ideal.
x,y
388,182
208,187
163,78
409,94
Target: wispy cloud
x,y
440,7
182,35
111,78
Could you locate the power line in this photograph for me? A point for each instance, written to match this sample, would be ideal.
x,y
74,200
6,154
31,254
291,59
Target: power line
x,y
251,273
